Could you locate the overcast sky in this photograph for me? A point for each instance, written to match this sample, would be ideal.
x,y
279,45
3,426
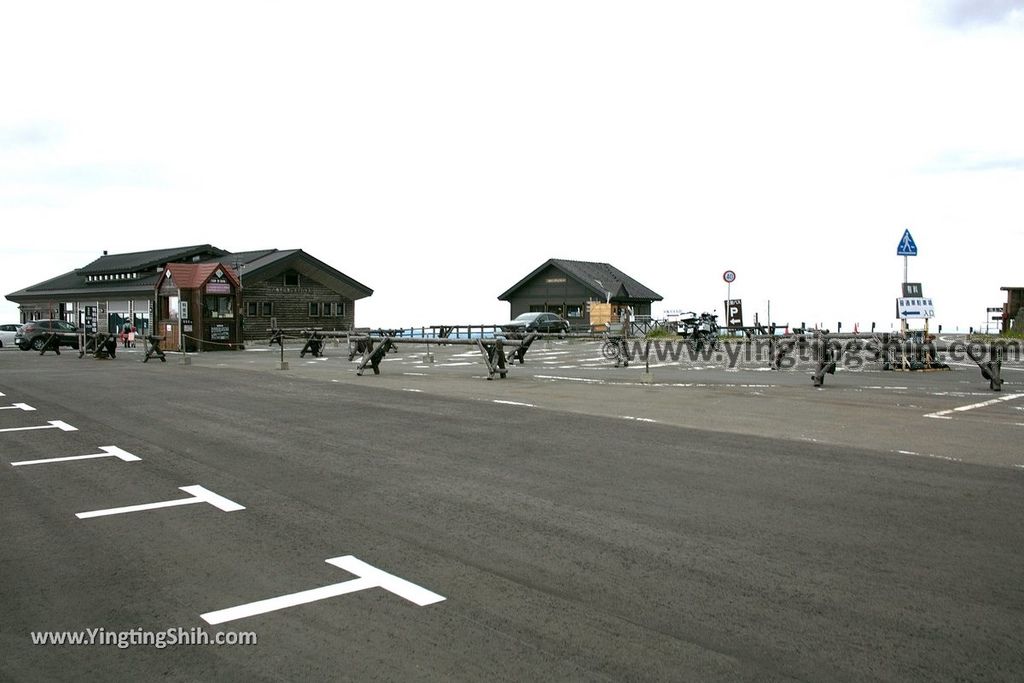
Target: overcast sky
x,y
439,151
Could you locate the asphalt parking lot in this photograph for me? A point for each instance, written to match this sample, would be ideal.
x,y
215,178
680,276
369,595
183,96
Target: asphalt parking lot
x,y
670,521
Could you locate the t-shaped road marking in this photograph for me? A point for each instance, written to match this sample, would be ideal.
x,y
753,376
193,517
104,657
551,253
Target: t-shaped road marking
x,y
369,577
108,451
199,495
52,424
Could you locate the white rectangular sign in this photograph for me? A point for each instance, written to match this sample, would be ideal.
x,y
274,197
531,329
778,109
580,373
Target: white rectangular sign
x,y
914,308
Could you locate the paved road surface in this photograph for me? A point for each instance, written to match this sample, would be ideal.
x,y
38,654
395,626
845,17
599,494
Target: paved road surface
x,y
567,545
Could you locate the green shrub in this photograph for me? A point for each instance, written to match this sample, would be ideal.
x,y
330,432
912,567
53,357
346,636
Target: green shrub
x,y
660,333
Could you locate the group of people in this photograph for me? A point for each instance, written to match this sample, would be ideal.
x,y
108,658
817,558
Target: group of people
x,y
128,336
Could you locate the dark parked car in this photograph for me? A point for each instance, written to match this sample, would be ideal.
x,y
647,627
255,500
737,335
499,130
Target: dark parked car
x,y
33,335
537,322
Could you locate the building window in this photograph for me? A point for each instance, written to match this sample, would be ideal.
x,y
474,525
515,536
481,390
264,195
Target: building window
x,y
291,279
218,306
268,308
314,309
340,307
574,312
251,308
328,309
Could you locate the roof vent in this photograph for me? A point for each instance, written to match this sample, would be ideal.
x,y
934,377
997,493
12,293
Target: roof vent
x,y
104,252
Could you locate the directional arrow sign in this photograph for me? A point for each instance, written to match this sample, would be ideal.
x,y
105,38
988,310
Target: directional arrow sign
x,y
369,577
17,406
907,246
199,495
53,424
108,451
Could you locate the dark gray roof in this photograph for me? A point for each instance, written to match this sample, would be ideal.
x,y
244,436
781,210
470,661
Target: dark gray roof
x,y
241,257
600,278
275,261
255,266
74,285
141,260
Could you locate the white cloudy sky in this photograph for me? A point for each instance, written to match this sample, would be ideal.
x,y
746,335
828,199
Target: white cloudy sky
x,y
451,147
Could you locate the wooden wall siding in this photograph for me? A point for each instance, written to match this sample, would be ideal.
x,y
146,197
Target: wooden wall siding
x,y
291,306
561,290
540,290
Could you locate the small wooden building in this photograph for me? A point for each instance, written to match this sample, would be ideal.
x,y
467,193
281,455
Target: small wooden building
x,y
1013,309
572,288
198,307
290,288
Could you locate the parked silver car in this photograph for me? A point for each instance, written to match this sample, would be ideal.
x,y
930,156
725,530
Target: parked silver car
x,y
7,333
34,334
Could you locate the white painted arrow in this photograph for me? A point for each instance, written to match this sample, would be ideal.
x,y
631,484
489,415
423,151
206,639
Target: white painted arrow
x,y
108,451
369,577
199,495
17,406
53,424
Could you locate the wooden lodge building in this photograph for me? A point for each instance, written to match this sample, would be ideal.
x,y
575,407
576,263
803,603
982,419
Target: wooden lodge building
x,y
208,297
1013,310
576,290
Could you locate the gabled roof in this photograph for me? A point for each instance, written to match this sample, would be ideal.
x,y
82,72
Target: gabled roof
x,y
73,284
273,262
242,257
195,275
255,266
603,279
143,260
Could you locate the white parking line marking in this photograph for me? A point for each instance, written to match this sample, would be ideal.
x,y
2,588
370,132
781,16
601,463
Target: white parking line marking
x,y
570,379
929,455
975,365
17,406
199,495
53,424
414,391
514,403
638,419
369,577
108,451
943,414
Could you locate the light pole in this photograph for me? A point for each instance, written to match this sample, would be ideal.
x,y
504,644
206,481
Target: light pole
x,y
240,323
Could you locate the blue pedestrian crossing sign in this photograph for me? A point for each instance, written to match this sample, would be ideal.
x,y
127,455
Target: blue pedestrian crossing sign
x,y
907,246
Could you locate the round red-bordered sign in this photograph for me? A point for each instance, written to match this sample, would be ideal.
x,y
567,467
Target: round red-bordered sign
x,y
729,276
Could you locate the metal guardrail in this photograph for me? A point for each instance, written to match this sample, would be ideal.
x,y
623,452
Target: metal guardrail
x,y
893,351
